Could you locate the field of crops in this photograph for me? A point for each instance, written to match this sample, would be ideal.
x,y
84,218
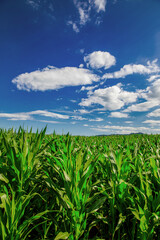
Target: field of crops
x,y
68,187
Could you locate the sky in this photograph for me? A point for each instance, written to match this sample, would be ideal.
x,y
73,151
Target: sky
x,y
87,67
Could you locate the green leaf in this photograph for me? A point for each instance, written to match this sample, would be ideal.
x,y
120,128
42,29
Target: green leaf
x,y
96,205
62,235
3,178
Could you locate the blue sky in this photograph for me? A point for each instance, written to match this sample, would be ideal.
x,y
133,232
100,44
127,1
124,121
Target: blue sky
x,y
87,67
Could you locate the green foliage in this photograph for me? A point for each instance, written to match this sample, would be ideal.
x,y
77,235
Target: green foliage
x,y
72,187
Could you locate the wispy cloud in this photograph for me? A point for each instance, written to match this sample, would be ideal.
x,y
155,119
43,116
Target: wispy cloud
x,y
89,89
153,77
74,26
152,122
117,129
16,116
73,101
100,5
118,115
50,122
42,6
128,122
151,67
24,116
82,111
48,114
79,118
34,3
85,9
96,120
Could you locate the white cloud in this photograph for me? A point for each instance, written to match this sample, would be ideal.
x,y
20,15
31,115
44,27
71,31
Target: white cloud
x,y
118,115
142,107
111,98
111,129
74,26
48,114
96,120
153,91
52,78
152,122
100,5
16,116
82,50
84,15
34,4
129,69
152,96
79,118
84,9
45,6
155,113
29,115
83,111
45,121
128,122
89,89
100,59
153,77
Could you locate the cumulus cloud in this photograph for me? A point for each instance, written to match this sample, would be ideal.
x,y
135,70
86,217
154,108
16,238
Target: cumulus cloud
x,y
99,59
130,69
151,95
118,115
52,78
111,98
153,91
23,116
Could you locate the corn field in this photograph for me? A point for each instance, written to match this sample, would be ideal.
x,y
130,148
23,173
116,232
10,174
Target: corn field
x,y
73,187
